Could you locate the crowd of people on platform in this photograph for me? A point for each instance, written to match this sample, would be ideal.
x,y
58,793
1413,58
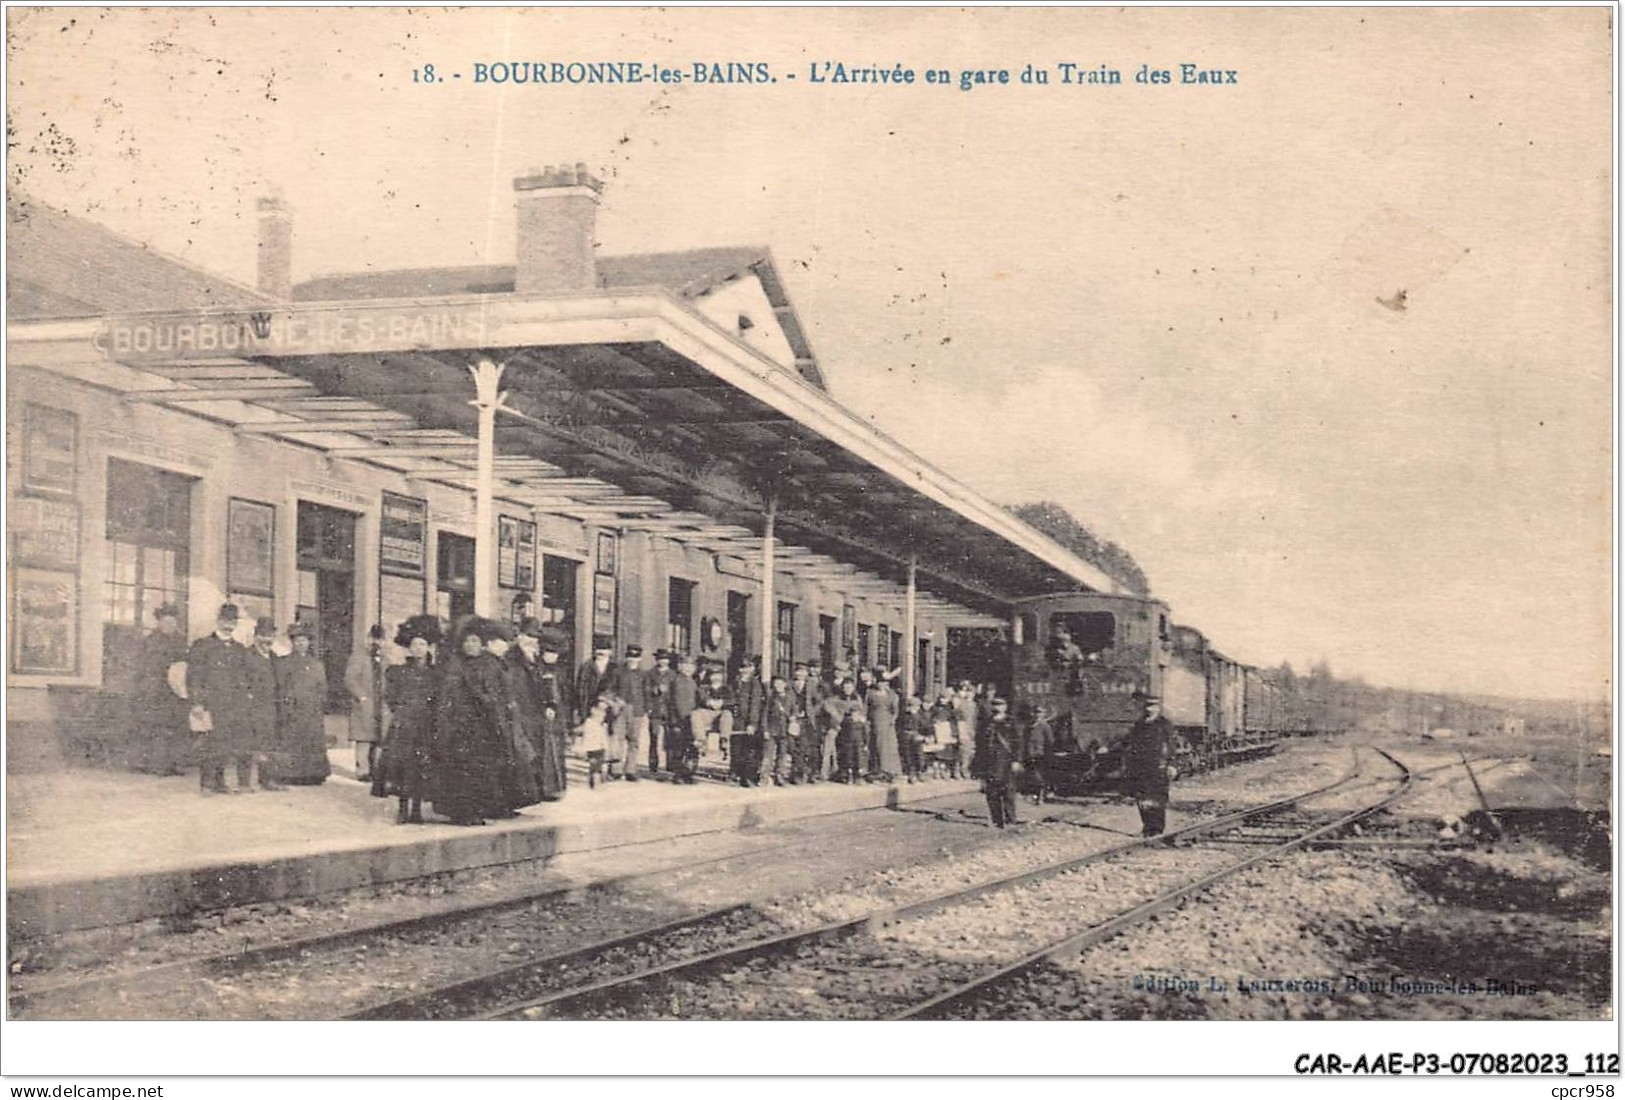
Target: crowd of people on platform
x,y
480,725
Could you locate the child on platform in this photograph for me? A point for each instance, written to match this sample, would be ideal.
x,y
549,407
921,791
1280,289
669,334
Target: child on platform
x,y
592,739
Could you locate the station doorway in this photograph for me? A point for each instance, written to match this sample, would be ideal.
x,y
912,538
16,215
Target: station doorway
x,y
454,573
559,601
327,591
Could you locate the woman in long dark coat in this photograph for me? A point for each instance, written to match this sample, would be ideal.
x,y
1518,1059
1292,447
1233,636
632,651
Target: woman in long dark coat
x,y
412,691
553,693
471,746
527,706
163,741
300,756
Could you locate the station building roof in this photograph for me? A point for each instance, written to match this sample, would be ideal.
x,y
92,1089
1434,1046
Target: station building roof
x,y
628,407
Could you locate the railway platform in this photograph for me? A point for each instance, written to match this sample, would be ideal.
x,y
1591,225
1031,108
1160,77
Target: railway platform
x,y
89,848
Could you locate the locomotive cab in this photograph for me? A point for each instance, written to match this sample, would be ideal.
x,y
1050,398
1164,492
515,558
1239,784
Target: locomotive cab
x,y
1089,660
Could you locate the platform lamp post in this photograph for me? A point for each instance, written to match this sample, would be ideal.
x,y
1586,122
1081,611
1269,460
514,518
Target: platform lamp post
x,y
911,628
488,399
769,606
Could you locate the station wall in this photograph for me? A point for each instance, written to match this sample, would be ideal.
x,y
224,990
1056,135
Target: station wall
x,y
65,435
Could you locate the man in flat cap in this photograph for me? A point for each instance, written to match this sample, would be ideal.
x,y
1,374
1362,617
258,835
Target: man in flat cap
x,y
1148,765
630,725
162,741
661,679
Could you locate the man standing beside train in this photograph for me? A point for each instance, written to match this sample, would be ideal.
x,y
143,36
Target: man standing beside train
x,y
1150,756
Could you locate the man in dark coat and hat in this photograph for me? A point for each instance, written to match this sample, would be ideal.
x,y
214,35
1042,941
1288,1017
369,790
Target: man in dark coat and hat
x,y
998,762
162,740
259,705
1149,760
215,687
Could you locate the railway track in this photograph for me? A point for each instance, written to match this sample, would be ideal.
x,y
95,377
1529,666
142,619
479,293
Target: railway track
x,y
554,902
576,985
706,938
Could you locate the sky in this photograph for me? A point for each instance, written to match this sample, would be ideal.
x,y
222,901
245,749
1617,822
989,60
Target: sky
x,y
1328,349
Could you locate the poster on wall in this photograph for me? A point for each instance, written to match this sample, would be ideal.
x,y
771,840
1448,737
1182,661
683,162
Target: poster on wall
x,y
403,536
849,626
44,622
606,553
44,532
50,450
525,565
250,547
507,552
603,607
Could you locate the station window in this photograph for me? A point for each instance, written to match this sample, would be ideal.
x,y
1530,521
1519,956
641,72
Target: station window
x,y
882,646
826,640
149,522
865,637
680,616
784,641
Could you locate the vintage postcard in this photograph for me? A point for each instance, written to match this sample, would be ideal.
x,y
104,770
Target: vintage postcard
x,y
1064,515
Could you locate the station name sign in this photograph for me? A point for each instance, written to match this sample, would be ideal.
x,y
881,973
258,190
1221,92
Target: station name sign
x,y
171,337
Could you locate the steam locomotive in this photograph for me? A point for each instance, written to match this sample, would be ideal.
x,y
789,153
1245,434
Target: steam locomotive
x,y
1090,660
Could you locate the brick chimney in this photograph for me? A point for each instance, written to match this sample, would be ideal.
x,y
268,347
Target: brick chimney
x,y
558,219
275,248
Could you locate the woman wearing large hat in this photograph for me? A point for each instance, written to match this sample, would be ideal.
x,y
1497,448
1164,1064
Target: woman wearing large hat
x,y
411,691
471,745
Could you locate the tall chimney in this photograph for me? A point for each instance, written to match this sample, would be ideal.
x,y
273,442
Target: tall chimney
x,y
275,248
558,218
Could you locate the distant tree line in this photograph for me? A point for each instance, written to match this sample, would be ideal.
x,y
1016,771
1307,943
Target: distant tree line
x,y
1059,524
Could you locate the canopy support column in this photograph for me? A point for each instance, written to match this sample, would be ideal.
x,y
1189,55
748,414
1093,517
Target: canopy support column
x,y
769,607
910,629
488,400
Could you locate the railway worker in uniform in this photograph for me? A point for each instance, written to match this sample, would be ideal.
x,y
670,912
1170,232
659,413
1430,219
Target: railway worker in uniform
x,y
594,678
162,740
998,763
681,751
364,680
880,705
214,688
747,750
412,691
661,678
1037,742
259,704
630,684
301,682
1148,764
471,730
553,692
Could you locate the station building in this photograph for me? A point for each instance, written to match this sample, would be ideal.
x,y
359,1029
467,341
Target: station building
x,y
642,448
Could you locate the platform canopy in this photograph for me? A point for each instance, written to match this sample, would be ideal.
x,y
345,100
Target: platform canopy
x,y
627,409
